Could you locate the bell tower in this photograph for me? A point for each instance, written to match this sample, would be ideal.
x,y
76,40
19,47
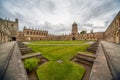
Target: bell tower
x,y
74,29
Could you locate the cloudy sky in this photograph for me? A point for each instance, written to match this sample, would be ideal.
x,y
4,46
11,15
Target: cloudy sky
x,y
57,16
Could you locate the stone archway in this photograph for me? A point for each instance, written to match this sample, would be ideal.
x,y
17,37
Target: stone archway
x,y
13,38
73,38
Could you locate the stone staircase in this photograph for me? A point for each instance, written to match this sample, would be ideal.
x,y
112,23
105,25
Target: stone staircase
x,y
93,47
24,49
84,58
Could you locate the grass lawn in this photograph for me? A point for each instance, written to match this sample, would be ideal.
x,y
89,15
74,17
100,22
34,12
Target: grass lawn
x,y
54,70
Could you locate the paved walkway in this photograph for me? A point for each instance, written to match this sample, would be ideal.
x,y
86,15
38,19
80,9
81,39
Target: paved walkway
x,y
5,49
11,66
112,52
100,69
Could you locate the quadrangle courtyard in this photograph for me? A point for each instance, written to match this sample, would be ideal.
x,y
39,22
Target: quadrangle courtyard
x,y
56,51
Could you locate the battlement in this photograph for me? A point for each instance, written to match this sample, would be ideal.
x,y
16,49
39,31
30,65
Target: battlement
x,y
9,20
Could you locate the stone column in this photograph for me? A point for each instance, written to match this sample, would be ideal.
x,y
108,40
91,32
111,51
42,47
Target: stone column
x,y
119,34
0,37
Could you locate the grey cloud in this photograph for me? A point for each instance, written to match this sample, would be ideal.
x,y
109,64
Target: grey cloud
x,y
47,14
94,8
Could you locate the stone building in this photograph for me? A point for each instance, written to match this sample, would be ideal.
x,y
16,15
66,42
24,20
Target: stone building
x,y
74,32
8,30
75,35
32,35
112,33
59,37
87,36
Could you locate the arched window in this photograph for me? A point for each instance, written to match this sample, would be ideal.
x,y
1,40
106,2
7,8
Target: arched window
x,y
34,33
12,26
27,32
30,33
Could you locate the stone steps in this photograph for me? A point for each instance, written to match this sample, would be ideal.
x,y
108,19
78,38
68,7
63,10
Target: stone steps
x,y
93,47
24,49
84,58
31,55
21,45
23,52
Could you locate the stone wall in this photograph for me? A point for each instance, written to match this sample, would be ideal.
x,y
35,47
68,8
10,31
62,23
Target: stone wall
x,y
112,33
32,35
8,29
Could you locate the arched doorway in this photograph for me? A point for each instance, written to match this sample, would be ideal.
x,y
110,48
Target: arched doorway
x,y
73,38
13,38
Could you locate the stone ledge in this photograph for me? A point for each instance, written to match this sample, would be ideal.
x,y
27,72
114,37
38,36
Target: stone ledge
x,y
31,55
111,51
100,69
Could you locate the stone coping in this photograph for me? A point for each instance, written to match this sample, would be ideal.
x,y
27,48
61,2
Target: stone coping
x,y
30,55
112,53
100,69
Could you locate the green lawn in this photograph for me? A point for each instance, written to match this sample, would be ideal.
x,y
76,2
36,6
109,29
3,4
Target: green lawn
x,y
53,70
59,42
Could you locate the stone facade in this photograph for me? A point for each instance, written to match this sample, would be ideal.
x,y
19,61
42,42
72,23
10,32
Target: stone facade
x,y
112,33
32,35
75,35
8,30
35,35
87,36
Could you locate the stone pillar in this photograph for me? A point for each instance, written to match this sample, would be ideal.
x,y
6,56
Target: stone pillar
x,y
0,37
119,34
4,38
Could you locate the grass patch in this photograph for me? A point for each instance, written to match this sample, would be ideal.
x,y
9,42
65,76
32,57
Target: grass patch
x,y
59,42
53,70
31,63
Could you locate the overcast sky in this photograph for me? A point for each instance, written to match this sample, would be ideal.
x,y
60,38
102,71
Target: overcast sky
x,y
57,16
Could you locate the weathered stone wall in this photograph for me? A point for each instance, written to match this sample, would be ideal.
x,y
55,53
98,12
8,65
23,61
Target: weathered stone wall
x,y
8,29
87,36
76,36
32,35
91,36
112,33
